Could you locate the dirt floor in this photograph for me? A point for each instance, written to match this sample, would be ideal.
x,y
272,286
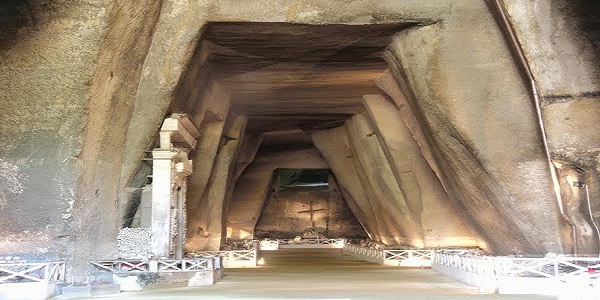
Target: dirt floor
x,y
322,274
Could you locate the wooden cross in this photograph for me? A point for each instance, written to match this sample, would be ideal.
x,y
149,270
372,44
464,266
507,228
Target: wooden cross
x,y
311,210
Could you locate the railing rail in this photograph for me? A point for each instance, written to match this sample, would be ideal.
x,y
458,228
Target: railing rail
x,y
407,258
402,255
558,267
462,260
541,267
231,255
158,265
231,258
32,272
316,241
311,243
547,275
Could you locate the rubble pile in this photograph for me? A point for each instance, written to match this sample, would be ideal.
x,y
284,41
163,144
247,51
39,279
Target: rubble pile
x,y
134,242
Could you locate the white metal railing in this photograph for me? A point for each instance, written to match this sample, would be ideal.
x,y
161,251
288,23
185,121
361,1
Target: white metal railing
x,y
231,258
365,253
32,272
463,260
229,255
516,275
158,265
312,243
406,258
412,258
560,267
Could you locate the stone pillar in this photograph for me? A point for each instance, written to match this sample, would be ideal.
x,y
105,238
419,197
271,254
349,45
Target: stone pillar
x,y
170,170
162,182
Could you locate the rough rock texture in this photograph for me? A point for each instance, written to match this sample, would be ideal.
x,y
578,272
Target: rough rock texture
x,y
335,148
253,186
41,118
398,212
483,135
203,158
288,214
389,85
441,223
66,69
560,40
206,218
86,84
111,98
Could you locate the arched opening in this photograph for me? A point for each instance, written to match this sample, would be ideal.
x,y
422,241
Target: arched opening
x,y
272,96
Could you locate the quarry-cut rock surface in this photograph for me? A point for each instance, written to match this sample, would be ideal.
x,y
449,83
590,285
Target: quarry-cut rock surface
x,y
442,123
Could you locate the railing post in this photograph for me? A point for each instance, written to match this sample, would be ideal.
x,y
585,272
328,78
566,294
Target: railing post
x,y
63,271
153,266
210,264
46,273
184,265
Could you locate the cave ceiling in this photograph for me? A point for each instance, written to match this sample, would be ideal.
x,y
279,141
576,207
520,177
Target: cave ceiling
x,y
293,76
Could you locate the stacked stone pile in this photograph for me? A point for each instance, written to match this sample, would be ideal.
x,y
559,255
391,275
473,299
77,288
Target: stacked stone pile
x,y
134,243
240,245
11,260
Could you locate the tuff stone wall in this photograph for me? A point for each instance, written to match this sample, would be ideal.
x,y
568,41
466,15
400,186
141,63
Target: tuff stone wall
x,y
560,43
252,188
85,86
46,62
287,214
64,80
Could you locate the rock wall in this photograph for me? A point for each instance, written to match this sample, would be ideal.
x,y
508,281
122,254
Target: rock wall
x,y
206,218
386,177
483,133
287,214
335,148
560,42
252,188
441,223
68,95
85,86
45,65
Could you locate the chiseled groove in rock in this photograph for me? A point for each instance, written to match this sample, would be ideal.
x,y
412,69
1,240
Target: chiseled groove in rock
x,y
392,203
208,213
203,160
110,106
442,226
480,178
334,147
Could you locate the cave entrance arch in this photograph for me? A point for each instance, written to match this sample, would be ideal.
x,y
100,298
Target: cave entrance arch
x,y
281,95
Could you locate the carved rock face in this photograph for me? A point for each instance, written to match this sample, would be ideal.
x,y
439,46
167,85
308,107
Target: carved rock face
x,y
86,85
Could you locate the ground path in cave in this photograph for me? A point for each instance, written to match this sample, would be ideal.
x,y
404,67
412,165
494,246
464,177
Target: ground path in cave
x,y
323,274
